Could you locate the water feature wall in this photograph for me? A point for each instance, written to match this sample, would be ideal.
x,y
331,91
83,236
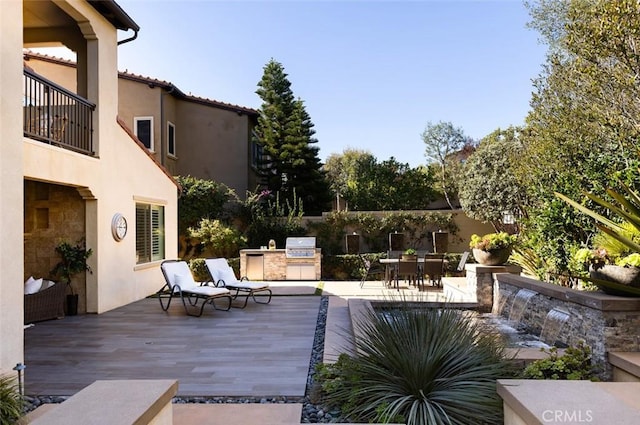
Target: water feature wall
x,y
606,323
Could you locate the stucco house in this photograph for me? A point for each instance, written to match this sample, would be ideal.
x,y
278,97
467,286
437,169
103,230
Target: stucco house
x,y
71,168
188,135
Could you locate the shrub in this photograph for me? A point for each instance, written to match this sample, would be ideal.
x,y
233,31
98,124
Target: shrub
x,y
574,364
420,365
492,241
200,199
218,239
263,216
11,402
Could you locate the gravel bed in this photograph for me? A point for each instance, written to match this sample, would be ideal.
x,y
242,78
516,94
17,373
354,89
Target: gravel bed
x,y
311,413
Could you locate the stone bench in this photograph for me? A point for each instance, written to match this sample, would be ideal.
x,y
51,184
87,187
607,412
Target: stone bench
x,y
117,402
543,402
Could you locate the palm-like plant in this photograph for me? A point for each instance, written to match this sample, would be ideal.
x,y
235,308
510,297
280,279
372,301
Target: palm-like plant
x,y
422,366
626,206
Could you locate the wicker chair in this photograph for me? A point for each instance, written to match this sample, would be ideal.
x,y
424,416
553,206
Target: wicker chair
x,y
46,304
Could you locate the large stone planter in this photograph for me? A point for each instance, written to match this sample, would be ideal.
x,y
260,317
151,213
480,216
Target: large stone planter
x,y
624,279
491,258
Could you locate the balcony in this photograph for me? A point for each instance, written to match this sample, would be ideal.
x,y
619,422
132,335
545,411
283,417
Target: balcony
x,y
57,116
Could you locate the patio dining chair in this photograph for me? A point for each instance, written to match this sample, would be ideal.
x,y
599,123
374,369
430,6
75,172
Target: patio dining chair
x,y
407,268
433,267
463,261
179,282
371,268
224,276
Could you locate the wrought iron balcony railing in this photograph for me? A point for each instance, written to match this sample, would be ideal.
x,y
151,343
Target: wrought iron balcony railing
x,y
54,115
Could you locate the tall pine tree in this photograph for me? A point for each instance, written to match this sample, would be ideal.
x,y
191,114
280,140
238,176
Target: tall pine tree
x,y
285,132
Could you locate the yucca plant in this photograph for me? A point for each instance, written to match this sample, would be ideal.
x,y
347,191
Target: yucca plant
x,y
420,365
11,401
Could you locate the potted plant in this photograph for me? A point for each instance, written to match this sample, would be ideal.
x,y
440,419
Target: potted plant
x,y
409,254
618,243
73,261
492,249
606,267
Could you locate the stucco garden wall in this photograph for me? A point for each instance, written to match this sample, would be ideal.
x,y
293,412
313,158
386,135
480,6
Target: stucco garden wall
x,y
458,242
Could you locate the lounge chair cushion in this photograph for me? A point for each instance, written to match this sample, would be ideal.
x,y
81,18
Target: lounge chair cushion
x,y
184,281
226,274
209,291
221,271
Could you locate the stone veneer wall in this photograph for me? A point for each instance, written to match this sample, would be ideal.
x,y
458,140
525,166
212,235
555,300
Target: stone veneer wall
x,y
604,322
52,213
480,282
275,263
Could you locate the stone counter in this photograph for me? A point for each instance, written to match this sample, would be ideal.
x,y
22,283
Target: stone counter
x,y
273,264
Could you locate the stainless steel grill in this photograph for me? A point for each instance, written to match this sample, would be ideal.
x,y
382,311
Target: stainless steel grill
x,y
301,247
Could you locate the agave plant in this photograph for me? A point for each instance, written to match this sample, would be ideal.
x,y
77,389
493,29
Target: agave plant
x,y
420,365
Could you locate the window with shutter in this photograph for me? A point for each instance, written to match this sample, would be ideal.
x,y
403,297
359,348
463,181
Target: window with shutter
x,y
149,233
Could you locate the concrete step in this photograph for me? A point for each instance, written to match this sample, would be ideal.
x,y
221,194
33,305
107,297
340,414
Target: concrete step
x,y
626,366
237,414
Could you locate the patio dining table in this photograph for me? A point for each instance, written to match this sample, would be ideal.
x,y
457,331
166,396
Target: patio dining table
x,y
392,263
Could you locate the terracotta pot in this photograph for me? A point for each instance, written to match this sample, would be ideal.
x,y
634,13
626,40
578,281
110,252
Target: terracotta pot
x,y
491,258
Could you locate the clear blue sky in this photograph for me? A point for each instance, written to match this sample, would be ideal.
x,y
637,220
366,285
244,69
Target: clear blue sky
x,y
372,74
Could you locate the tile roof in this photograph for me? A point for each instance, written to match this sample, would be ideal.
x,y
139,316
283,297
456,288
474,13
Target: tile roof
x,y
175,91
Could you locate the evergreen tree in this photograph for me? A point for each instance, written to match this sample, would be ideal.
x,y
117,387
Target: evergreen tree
x,y
285,131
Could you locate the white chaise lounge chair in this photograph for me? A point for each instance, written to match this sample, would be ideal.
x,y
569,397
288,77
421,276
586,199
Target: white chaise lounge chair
x,y
224,276
180,283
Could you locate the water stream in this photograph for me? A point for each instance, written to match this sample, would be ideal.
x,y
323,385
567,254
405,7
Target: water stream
x,y
553,324
519,304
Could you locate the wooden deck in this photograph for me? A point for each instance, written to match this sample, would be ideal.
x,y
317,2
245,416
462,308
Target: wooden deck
x,y
263,350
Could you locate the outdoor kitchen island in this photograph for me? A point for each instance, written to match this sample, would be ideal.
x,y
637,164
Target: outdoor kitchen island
x,y
299,260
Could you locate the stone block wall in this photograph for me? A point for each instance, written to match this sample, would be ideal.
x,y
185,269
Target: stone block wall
x,y
53,213
275,263
480,281
604,322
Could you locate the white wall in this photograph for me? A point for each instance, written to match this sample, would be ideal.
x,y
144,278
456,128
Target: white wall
x,y
11,221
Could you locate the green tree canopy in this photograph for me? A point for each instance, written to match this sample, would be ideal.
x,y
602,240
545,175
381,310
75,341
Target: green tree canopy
x,y
490,188
441,140
582,132
285,132
369,185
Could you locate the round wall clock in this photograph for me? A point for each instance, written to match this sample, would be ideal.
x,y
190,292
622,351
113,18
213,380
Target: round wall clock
x,y
118,227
